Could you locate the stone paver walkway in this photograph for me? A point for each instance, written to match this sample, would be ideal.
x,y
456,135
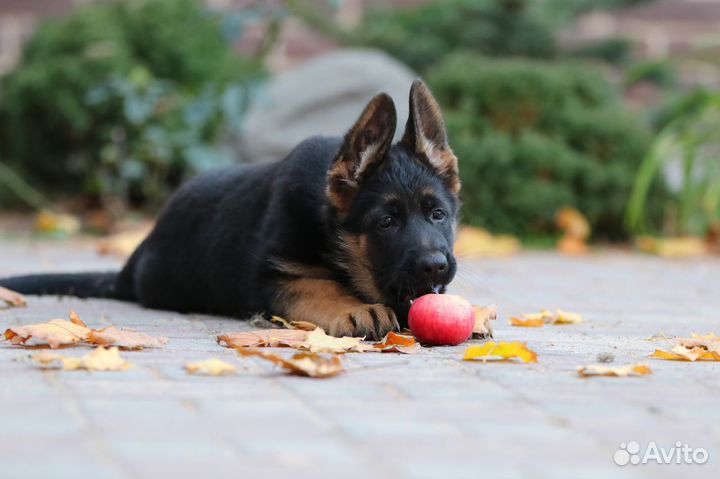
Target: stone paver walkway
x,y
426,415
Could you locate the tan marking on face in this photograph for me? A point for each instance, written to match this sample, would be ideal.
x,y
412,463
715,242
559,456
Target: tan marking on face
x,y
356,262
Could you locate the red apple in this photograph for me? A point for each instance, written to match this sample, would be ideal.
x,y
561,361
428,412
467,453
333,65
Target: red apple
x,y
441,319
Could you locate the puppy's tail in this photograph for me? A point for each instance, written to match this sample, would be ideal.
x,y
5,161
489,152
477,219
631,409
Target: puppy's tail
x,y
82,285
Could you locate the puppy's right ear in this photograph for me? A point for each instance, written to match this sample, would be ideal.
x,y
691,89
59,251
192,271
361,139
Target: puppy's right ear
x,y
362,151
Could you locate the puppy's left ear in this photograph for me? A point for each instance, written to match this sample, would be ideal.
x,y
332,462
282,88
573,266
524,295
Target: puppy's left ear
x,y
425,134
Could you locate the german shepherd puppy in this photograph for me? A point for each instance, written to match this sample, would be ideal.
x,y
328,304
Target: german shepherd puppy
x,y
343,233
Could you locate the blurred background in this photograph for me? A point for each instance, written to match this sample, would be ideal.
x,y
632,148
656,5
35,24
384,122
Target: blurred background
x,y
578,124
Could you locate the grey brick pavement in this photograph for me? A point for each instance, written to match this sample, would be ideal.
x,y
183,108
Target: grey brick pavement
x,y
426,415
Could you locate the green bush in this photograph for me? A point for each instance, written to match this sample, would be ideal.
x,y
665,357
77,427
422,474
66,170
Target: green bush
x,y
424,35
121,100
534,137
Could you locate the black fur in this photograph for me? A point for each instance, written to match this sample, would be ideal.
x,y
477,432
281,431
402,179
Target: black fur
x,y
231,241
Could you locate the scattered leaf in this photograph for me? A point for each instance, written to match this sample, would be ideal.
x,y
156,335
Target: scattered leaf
x,y
616,371
125,338
49,222
304,325
527,322
501,350
483,316
99,359
477,243
696,348
211,367
319,342
55,333
301,364
263,337
397,343
566,317
534,320
681,247
11,298
124,243
576,231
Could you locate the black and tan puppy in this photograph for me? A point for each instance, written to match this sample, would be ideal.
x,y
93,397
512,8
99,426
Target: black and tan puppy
x,y
344,232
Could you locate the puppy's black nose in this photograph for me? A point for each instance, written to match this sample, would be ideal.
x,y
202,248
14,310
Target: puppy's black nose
x,y
433,267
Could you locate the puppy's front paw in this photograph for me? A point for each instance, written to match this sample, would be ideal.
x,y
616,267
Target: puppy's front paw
x,y
373,321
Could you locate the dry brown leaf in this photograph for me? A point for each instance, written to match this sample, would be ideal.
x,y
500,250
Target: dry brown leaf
x,y
263,337
483,316
696,348
616,371
477,243
211,367
55,333
576,231
681,247
125,338
397,343
301,364
502,350
11,298
99,359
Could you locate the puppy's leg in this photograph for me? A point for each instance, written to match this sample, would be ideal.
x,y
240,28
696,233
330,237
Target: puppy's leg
x,y
328,304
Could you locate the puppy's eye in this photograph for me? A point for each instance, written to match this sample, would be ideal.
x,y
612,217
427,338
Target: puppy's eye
x,y
385,222
438,214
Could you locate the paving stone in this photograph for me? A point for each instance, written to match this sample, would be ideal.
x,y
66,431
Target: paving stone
x,y
411,416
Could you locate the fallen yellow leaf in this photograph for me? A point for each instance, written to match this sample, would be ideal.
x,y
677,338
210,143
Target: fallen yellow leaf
x,y
210,367
11,298
527,322
696,348
681,247
501,350
617,371
124,243
125,338
477,242
49,222
301,364
483,316
534,320
99,359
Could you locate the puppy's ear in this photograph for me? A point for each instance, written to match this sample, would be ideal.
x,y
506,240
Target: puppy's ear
x,y
362,151
425,134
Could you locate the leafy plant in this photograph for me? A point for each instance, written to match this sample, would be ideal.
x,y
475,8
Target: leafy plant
x,y
685,151
533,137
117,100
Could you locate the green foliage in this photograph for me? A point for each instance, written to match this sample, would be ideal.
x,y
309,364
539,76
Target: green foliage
x,y
122,99
533,137
660,73
422,36
613,50
686,151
